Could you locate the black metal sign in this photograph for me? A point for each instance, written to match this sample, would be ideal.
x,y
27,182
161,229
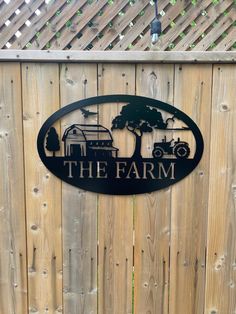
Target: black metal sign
x,y
87,155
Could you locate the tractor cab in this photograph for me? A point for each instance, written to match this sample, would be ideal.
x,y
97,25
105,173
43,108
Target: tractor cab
x,y
164,143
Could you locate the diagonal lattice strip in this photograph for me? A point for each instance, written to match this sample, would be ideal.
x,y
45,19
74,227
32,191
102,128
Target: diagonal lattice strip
x,y
117,24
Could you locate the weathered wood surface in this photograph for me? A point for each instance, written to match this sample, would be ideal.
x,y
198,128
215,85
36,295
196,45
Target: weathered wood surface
x,y
221,28
203,23
189,198
116,25
13,272
59,21
119,56
152,211
221,249
100,23
17,21
37,24
115,213
79,208
165,23
143,22
40,90
119,24
178,244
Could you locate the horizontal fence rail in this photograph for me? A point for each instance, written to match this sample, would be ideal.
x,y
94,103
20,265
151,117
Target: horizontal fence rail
x,y
121,56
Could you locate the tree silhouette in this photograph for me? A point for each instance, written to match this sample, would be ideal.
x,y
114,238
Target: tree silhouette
x,y
138,119
52,141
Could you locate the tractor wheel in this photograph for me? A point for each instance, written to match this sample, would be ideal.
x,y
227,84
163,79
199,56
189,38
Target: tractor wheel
x,y
157,152
182,151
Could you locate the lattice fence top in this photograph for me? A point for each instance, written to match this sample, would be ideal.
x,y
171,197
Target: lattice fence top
x,y
117,24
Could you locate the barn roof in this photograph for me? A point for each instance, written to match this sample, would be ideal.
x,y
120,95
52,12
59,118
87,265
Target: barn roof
x,y
87,129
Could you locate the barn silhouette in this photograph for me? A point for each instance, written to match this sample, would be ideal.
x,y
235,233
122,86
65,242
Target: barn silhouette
x,y
88,140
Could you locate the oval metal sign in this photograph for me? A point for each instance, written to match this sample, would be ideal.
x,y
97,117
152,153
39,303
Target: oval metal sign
x,y
120,144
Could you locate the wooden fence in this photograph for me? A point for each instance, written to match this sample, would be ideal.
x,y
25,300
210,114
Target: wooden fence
x,y
117,24
66,250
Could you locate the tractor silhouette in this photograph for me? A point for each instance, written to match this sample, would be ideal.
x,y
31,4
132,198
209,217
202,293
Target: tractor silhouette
x,y
178,148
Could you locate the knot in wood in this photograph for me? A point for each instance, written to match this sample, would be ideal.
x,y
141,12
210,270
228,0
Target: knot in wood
x,y
224,107
35,190
59,309
34,227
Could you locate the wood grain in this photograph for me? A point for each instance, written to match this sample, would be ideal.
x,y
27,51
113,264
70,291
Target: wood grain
x,y
38,23
79,208
173,13
119,24
202,25
58,22
115,213
26,12
189,197
13,269
43,192
8,10
184,22
119,56
223,24
221,249
178,244
101,21
152,211
78,24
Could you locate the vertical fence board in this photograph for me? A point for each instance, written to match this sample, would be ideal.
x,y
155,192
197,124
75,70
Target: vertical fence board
x,y
189,198
174,230
115,216
79,208
13,276
152,211
221,252
43,192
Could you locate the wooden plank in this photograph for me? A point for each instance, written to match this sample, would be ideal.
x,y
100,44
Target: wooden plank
x,y
190,196
221,252
40,83
224,23
115,213
90,33
57,23
152,211
227,42
134,32
18,21
172,13
79,208
9,10
184,22
37,23
203,22
119,24
79,23
13,272
119,56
